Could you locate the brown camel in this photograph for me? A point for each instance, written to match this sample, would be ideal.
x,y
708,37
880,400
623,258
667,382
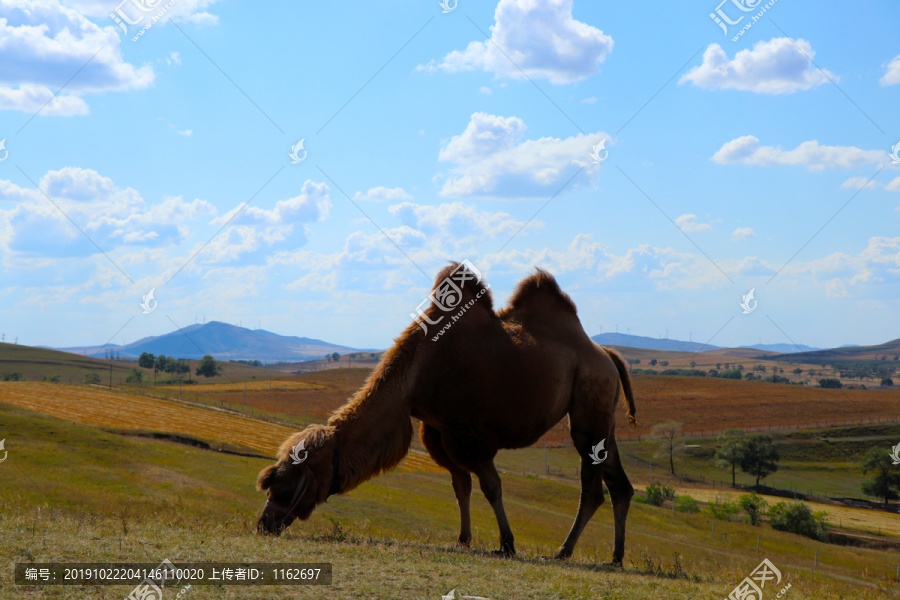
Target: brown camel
x,y
489,381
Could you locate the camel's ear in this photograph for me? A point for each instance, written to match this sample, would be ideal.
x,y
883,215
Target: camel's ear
x,y
264,481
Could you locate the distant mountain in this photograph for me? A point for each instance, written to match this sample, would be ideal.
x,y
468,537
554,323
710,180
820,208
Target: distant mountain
x,y
224,342
881,352
639,341
783,348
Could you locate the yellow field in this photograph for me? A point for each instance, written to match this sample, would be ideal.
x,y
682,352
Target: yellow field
x,y
274,385
91,406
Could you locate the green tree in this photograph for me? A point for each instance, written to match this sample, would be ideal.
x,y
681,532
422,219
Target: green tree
x,y
831,383
798,518
91,378
146,360
208,367
335,356
136,376
886,481
759,458
754,505
887,382
728,456
658,493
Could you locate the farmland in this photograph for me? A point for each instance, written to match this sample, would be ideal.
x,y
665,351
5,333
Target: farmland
x,y
389,538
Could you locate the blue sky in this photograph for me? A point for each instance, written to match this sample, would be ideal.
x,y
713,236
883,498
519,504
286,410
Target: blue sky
x,y
735,161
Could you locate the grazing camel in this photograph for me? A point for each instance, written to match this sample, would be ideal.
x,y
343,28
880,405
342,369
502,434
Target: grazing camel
x,y
478,381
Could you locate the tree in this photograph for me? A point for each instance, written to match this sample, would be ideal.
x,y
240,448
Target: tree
x,y
730,453
831,383
754,505
91,378
671,441
658,493
136,376
653,361
208,367
181,367
886,481
759,458
146,360
887,382
335,356
798,518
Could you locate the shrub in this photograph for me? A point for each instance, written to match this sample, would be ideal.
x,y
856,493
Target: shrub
x,y
730,374
13,377
831,383
686,504
755,507
51,378
887,381
91,378
723,511
658,493
136,376
798,518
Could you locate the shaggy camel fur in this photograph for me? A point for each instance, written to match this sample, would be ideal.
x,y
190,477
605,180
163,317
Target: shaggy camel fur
x,y
491,380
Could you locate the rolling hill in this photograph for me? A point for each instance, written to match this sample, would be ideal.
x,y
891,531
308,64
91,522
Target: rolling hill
x,y
224,342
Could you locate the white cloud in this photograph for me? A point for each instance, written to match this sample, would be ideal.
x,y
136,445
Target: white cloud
x,y
192,11
747,150
486,90
186,132
590,100
892,72
491,159
44,43
380,194
742,233
688,223
110,216
542,39
894,185
774,67
858,183
312,204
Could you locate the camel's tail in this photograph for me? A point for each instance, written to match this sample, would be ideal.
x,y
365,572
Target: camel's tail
x,y
626,382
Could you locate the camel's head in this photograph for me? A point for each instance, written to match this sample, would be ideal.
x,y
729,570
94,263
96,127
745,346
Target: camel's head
x,y
299,481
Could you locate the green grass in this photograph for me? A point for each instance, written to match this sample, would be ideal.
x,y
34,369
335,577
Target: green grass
x,y
71,492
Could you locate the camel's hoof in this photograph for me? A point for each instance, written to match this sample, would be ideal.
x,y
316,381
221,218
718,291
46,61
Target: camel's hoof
x,y
562,555
506,552
463,544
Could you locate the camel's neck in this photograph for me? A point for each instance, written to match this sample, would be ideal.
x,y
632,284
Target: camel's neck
x,y
372,433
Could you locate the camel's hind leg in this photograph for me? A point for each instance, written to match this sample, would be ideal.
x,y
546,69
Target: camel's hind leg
x,y
489,479
621,491
591,490
462,481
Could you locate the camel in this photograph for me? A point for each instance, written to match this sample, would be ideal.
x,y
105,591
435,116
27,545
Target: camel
x,y
488,381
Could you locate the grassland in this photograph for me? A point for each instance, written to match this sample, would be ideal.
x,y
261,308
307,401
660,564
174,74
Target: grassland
x,y
73,492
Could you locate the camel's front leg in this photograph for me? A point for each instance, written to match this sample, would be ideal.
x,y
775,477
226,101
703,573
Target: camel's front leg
x,y
492,489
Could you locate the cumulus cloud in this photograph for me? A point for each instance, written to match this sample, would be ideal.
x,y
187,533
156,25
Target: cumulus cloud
x,y
193,11
774,67
892,72
381,194
110,216
858,183
816,157
894,185
742,233
492,159
688,223
541,37
44,43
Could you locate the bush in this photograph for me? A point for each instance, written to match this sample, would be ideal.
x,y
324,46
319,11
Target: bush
x,y
13,377
730,374
887,381
136,376
798,518
686,504
831,383
91,378
51,378
658,493
723,511
755,507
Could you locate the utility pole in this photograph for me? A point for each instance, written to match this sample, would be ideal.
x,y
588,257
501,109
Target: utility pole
x,y
110,376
